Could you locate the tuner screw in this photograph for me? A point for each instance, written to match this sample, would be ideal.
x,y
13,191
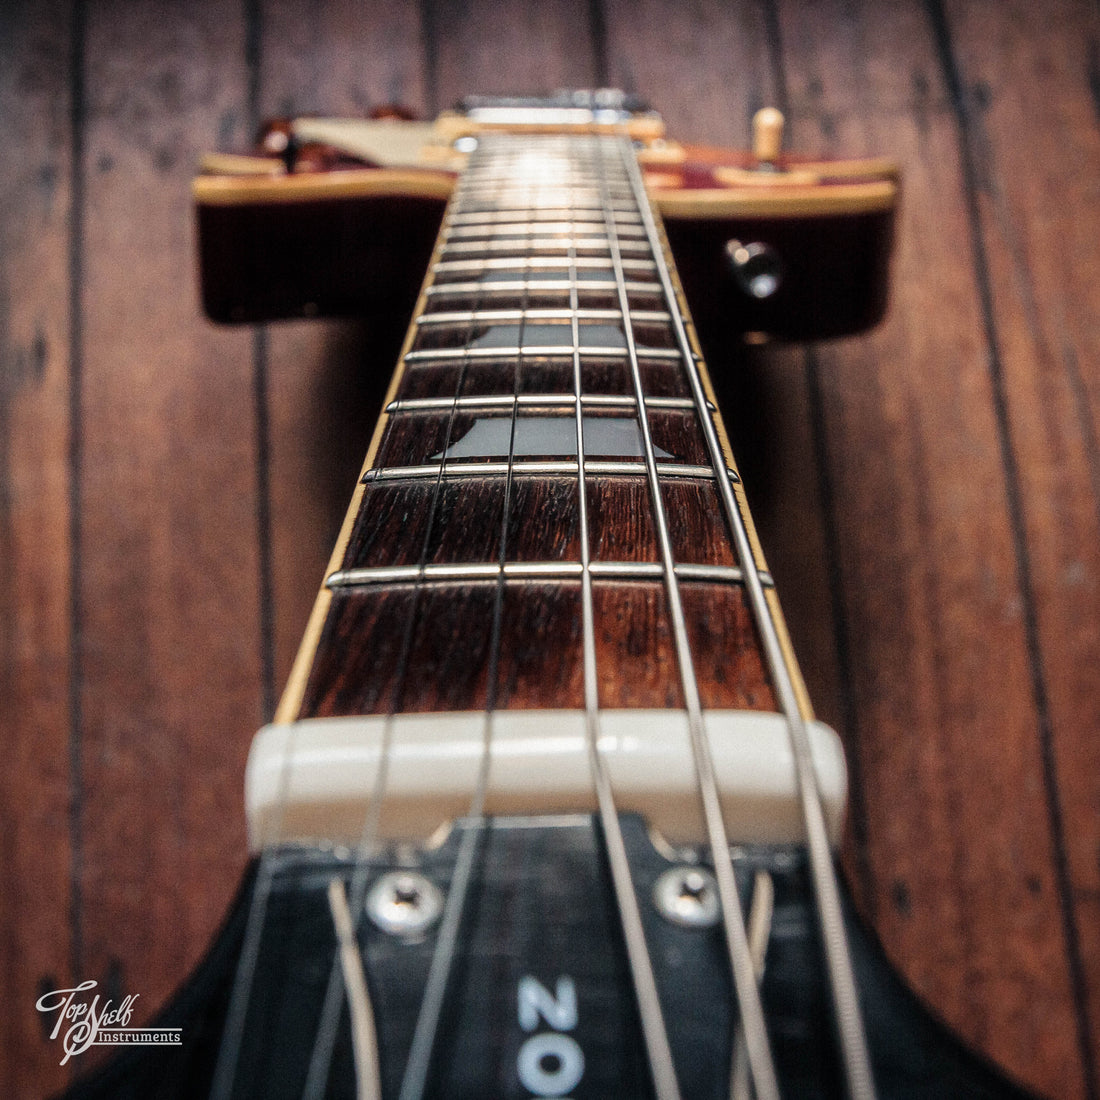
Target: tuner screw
x,y
687,896
404,903
756,267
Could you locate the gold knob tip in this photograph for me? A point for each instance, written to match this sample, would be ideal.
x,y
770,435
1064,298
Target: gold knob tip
x,y
767,133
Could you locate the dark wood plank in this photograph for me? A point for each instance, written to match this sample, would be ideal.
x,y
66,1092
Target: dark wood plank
x,y
958,834
169,667
324,380
502,49
1034,159
710,73
36,857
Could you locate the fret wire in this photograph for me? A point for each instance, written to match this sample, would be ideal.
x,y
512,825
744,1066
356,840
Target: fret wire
x,y
473,572
533,400
520,230
542,244
515,217
518,206
744,976
503,184
853,1042
484,192
529,233
658,1051
482,196
553,466
489,316
583,263
443,290
427,355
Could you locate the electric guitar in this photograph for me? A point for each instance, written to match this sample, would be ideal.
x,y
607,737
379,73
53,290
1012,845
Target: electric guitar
x,y
544,811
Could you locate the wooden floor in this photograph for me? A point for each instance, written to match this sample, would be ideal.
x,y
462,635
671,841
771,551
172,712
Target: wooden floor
x,y
929,495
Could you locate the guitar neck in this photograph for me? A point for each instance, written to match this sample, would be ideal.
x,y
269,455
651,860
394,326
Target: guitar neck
x,y
541,437
548,579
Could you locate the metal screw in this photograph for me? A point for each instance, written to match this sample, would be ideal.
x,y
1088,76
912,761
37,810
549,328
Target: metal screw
x,y
404,903
687,896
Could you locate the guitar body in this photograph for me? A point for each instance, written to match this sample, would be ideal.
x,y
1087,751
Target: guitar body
x,y
353,240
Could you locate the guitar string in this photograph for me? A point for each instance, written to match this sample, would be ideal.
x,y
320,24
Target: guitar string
x,y
325,1036
231,1047
658,1051
419,1061
432,1003
849,1023
364,1037
740,956
653,1028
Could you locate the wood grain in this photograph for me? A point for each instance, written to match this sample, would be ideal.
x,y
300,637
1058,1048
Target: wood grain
x,y
36,795
166,555
930,531
464,52
1038,221
927,496
322,381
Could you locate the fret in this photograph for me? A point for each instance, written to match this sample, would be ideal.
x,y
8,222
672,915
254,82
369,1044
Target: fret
x,y
523,231
584,193
521,201
549,468
514,351
492,200
525,285
527,265
521,247
541,570
497,316
540,214
506,176
525,245
508,402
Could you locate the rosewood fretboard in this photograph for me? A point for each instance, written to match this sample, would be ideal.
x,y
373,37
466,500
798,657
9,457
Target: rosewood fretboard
x,y
458,583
